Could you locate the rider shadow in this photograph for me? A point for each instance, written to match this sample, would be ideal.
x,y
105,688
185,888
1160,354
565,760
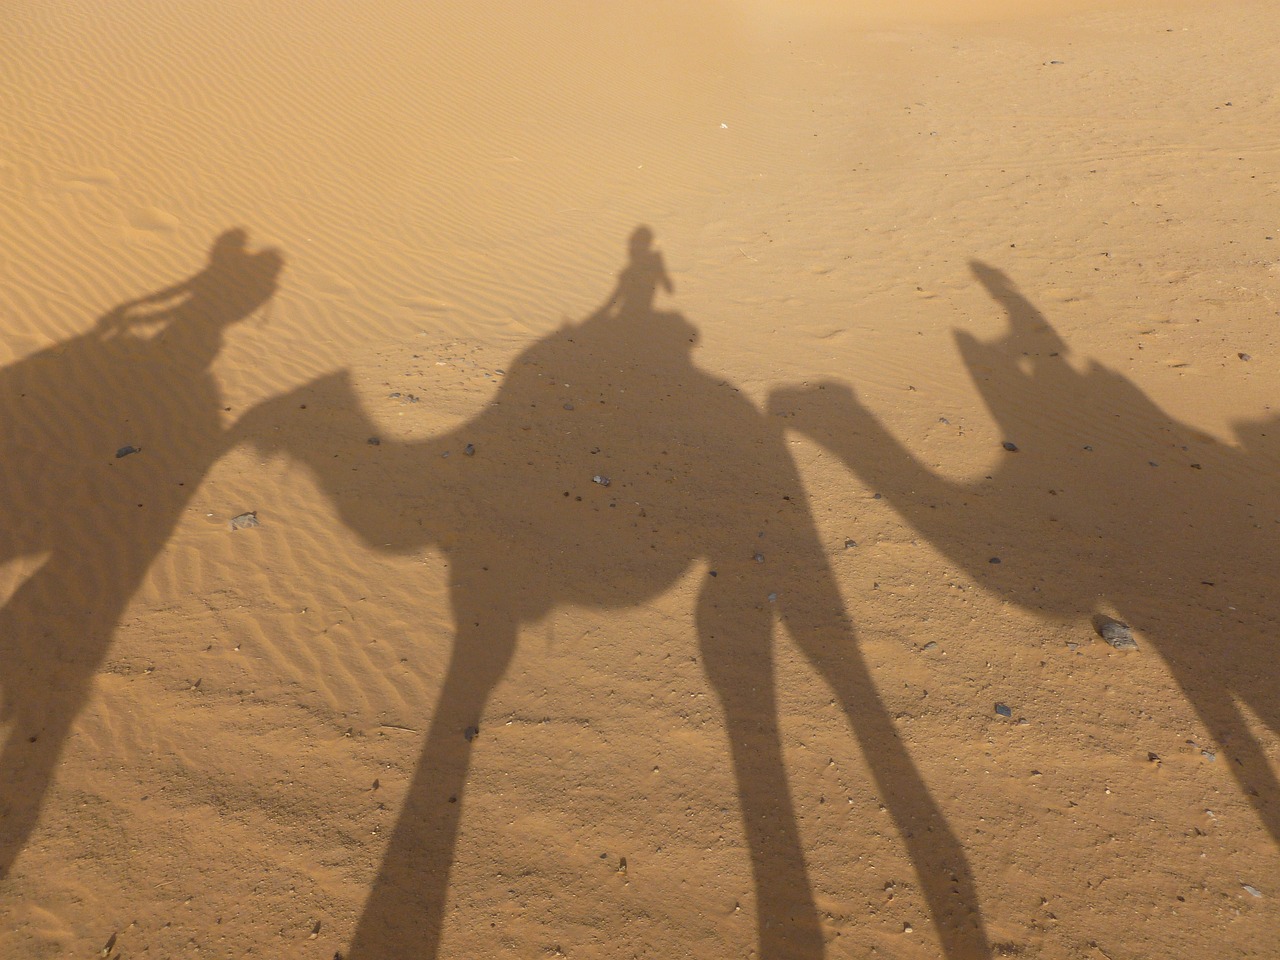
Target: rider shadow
x,y
115,430
606,465
1106,500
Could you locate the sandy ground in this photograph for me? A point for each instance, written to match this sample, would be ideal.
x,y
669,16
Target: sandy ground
x,y
666,357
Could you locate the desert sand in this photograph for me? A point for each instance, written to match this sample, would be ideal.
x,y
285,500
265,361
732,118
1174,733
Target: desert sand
x,y
684,456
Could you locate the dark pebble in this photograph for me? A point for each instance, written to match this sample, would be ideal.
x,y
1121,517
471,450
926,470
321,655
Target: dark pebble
x,y
374,441
994,560
469,450
471,733
1010,446
1244,356
1117,634
126,450
1003,710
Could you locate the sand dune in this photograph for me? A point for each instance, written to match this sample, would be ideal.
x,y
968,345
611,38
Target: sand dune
x,y
241,242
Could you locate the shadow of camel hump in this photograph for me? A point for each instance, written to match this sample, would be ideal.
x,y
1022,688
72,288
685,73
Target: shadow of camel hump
x,y
1107,499
607,464
115,429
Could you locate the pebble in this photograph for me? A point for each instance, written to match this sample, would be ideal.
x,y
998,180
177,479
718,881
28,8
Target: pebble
x,y
849,544
931,645
1244,356
469,450
1251,890
603,481
758,558
1003,710
1010,446
471,733
1118,635
244,520
126,450
374,441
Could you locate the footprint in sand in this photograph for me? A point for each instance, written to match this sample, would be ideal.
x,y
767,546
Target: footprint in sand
x,y
90,179
334,285
152,219
420,304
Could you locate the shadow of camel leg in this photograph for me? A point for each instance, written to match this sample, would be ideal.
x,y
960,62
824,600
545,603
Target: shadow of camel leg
x,y
1246,758
735,630
27,765
404,915
815,616
46,683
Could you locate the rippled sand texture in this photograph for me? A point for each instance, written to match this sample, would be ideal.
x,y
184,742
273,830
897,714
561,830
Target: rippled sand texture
x,y
624,394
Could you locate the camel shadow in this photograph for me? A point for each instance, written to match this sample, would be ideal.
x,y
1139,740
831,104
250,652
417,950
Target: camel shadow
x,y
1194,569
605,467
115,430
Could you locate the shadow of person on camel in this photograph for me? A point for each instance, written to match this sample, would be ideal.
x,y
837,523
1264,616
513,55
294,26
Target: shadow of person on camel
x,y
106,438
606,466
1107,500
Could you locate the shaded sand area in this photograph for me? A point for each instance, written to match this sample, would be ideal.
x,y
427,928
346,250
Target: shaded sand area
x,y
693,448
